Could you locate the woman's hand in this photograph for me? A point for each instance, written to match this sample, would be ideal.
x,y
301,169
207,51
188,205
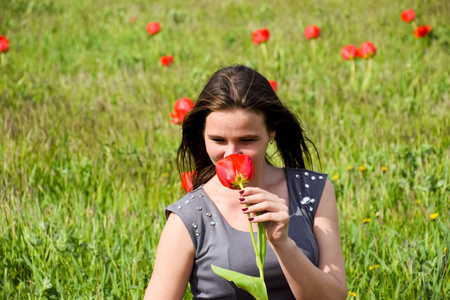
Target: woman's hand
x,y
273,212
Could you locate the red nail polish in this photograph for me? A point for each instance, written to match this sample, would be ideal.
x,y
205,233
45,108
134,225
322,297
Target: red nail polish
x,y
241,199
245,209
241,192
251,219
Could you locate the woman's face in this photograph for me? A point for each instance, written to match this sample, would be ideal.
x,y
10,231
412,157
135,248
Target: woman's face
x,y
236,131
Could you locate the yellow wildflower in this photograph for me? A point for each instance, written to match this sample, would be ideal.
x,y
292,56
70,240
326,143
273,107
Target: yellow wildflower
x,y
349,168
418,202
434,216
362,168
374,267
445,250
352,294
383,168
366,221
165,175
336,176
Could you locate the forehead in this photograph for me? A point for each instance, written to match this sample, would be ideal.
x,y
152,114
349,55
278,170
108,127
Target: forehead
x,y
235,121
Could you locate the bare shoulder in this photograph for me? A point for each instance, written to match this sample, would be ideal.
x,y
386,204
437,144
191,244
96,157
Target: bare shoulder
x,y
327,233
173,263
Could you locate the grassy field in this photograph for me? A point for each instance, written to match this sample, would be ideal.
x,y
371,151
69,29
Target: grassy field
x,y
88,151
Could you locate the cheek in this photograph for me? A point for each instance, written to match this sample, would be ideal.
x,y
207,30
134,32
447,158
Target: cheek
x,y
213,152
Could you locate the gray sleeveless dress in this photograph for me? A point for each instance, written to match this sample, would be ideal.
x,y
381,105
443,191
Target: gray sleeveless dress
x,y
216,242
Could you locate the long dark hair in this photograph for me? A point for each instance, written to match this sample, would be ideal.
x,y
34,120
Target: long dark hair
x,y
240,87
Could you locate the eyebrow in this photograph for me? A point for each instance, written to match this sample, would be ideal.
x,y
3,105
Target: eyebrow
x,y
250,136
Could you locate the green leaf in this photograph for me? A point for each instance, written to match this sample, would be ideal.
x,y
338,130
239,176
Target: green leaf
x,y
254,285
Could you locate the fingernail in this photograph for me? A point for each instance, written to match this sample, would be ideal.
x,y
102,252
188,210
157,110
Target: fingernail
x,y
241,199
250,219
241,192
245,209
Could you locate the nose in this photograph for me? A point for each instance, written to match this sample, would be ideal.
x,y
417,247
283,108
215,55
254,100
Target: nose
x,y
232,148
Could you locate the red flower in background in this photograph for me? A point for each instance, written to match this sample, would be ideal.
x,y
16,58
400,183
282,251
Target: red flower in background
x,y
367,50
182,107
349,52
312,32
408,15
186,180
235,171
422,31
260,36
4,44
274,84
133,19
153,28
166,60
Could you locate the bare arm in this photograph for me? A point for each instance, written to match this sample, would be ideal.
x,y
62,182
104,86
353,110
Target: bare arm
x,y
173,263
306,281
328,281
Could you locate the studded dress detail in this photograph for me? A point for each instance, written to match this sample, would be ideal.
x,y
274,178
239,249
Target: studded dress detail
x,y
216,242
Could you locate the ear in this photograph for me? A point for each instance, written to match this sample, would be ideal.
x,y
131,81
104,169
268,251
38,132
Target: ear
x,y
272,135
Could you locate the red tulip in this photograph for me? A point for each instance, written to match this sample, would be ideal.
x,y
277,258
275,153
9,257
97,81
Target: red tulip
x,y
235,171
133,19
153,28
182,107
349,52
166,60
274,84
367,50
260,36
186,180
4,44
312,32
422,31
408,15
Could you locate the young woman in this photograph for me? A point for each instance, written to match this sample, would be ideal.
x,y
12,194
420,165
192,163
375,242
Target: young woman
x,y
238,112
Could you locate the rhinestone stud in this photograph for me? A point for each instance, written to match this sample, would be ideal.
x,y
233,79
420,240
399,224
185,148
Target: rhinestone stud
x,y
197,233
187,202
209,214
306,174
320,177
313,177
212,223
306,185
179,207
297,176
192,196
194,225
311,208
313,200
199,208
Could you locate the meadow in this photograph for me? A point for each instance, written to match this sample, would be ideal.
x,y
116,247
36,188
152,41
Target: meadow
x,y
88,151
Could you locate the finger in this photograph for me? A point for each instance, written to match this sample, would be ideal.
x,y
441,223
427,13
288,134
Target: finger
x,y
251,191
280,218
263,207
256,198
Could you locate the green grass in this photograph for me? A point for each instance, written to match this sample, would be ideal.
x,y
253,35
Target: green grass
x,y
88,152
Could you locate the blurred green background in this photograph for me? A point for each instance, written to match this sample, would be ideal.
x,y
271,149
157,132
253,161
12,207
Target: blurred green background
x,y
88,151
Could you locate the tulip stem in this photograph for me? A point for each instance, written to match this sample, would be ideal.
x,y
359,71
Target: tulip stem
x,y
264,50
259,246
352,73
368,74
3,59
313,47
